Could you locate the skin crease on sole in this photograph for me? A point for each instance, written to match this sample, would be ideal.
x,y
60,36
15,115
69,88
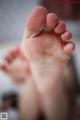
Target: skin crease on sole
x,y
47,46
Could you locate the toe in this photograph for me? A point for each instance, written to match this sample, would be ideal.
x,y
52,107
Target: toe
x,y
9,57
52,20
5,68
12,55
69,48
66,36
36,21
60,28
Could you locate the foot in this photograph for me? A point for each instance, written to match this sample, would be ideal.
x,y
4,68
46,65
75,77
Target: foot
x,y
18,69
47,46
16,66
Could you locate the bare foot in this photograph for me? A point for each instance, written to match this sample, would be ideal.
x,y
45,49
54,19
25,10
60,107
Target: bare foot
x,y
16,66
18,69
47,46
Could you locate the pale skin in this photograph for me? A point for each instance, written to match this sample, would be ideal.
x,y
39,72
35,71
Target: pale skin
x,y
47,48
18,69
16,65
26,100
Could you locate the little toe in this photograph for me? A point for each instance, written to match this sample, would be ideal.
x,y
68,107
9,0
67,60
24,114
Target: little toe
x,y
69,48
60,28
36,21
66,36
52,20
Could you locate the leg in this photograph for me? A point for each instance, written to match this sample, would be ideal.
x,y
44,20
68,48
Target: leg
x,y
28,101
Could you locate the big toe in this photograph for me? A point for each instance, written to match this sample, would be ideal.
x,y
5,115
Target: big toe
x,y
36,21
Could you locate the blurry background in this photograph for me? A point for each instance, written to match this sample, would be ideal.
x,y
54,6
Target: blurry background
x,y
13,14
